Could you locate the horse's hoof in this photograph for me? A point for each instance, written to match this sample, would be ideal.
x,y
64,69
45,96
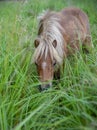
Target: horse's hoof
x,y
44,88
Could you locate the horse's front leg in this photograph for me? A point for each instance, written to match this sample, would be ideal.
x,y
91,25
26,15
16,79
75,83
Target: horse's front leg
x,y
59,71
57,74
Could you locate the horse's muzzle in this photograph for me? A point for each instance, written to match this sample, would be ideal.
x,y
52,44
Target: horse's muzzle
x,y
44,87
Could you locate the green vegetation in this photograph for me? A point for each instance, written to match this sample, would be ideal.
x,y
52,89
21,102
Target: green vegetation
x,y
73,105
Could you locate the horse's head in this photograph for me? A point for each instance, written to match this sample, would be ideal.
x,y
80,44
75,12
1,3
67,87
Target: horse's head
x,y
45,64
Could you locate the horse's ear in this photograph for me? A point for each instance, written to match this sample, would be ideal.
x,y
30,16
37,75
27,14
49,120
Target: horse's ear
x,y
54,43
36,43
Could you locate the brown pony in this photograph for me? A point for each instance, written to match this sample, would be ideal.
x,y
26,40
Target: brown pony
x,y
59,35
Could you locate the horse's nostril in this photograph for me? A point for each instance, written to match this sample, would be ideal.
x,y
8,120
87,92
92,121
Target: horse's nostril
x,y
43,88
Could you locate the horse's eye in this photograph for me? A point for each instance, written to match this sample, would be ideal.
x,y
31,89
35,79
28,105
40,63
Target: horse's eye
x,y
54,63
36,63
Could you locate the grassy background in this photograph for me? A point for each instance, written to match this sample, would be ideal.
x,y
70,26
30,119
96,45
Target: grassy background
x,y
73,106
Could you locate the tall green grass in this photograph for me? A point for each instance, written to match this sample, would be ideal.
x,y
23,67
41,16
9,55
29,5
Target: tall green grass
x,y
72,103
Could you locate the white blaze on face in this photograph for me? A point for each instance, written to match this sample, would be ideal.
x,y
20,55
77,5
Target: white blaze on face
x,y
49,83
44,65
44,69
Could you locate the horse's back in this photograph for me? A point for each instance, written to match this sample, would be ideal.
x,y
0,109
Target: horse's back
x,y
80,15
76,27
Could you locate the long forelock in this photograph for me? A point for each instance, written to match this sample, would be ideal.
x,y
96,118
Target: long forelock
x,y
51,32
43,49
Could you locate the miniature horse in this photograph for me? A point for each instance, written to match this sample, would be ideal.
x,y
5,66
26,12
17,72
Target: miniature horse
x,y
59,35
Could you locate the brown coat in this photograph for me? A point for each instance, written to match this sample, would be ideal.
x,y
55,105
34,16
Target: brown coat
x,y
76,28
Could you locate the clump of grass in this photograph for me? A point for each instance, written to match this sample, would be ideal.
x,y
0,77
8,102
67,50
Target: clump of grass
x,y
22,107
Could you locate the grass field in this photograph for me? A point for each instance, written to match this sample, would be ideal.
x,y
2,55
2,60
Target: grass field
x,y
73,106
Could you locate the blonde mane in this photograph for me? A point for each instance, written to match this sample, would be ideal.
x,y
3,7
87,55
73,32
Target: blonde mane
x,y
50,30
